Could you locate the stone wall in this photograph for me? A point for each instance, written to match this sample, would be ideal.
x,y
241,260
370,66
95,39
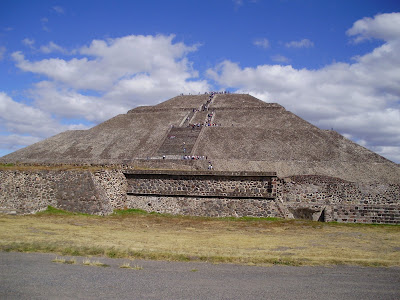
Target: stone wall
x,y
340,200
27,192
114,185
210,207
80,191
216,194
204,184
201,194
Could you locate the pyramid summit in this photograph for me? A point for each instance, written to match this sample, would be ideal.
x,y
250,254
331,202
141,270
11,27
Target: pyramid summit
x,y
230,132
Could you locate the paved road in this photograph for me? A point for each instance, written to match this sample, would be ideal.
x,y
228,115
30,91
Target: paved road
x,y
35,276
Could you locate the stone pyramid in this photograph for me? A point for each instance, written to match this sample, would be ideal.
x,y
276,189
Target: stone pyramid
x,y
235,132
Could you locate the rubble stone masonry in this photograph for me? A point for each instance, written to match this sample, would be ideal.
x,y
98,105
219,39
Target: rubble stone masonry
x,y
342,201
200,193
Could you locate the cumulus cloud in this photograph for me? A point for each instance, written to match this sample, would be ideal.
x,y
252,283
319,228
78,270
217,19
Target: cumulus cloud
x,y
304,43
280,58
14,142
106,62
384,27
263,43
361,100
105,78
65,102
26,124
28,42
52,47
23,119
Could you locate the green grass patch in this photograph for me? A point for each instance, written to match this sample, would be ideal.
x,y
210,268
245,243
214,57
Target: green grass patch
x,y
7,165
56,211
129,211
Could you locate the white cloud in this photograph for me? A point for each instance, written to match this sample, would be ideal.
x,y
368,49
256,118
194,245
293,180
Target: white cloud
x,y
280,58
109,77
304,43
64,102
26,124
58,9
107,62
52,47
28,42
388,151
23,119
361,100
13,142
263,43
384,27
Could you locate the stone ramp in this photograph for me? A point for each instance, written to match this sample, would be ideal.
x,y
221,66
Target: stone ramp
x,y
200,117
178,139
186,121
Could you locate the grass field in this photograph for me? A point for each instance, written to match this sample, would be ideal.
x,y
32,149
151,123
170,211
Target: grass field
x,y
135,234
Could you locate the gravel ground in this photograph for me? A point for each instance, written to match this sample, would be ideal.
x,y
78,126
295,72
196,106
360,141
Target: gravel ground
x,y
35,276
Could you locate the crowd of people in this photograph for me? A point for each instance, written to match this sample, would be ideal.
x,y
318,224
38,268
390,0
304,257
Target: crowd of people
x,y
206,124
198,157
205,107
208,93
194,157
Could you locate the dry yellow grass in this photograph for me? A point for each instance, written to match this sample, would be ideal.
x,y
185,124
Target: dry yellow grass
x,y
259,242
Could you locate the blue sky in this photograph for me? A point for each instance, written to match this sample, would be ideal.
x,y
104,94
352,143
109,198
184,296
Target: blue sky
x,y
73,64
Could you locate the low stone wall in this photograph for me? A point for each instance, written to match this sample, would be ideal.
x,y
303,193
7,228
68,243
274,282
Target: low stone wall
x,y
26,192
340,200
114,185
81,191
379,214
217,194
210,207
209,184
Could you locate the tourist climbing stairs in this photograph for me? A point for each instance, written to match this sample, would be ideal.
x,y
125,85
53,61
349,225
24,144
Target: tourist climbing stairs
x,y
188,119
199,117
179,141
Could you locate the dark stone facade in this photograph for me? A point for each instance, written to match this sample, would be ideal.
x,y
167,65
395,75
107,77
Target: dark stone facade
x,y
199,184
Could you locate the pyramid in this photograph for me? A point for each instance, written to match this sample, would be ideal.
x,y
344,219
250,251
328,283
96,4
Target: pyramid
x,y
235,132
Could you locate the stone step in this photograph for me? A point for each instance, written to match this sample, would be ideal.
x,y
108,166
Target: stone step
x,y
187,120
200,117
179,141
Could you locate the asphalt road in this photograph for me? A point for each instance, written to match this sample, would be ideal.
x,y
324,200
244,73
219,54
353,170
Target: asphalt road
x,y
35,276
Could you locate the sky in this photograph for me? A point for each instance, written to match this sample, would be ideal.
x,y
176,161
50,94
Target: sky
x,y
67,65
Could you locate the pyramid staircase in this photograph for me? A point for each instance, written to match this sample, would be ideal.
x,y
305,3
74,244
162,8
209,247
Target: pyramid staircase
x,y
181,140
